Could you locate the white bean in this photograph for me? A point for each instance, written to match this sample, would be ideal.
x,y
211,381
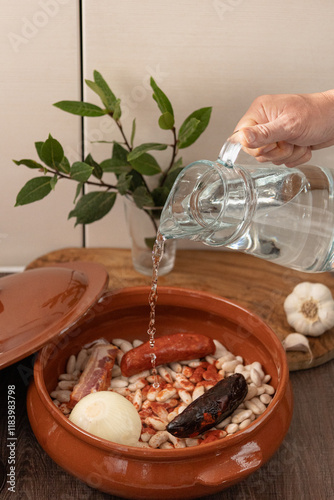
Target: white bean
x,y
220,349
143,374
197,392
65,376
166,446
66,384
252,391
126,346
62,395
229,366
267,378
258,368
185,396
259,404
255,377
176,367
224,422
165,374
254,407
116,371
165,394
158,439
137,400
70,367
195,363
117,342
265,398
137,343
210,359
243,415
118,382
137,385
269,389
192,442
81,359
156,423
232,428
178,443
119,356
245,423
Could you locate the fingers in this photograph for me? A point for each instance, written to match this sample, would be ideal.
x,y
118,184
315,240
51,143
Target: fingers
x,y
287,154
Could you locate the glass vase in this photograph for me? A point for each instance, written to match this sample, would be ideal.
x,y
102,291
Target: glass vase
x,y
143,225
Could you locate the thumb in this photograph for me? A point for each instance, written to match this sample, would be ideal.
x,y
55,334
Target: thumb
x,y
262,134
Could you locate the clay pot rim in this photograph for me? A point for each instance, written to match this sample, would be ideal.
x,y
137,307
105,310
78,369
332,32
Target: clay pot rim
x,y
180,453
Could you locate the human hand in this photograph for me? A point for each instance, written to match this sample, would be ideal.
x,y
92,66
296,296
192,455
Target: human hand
x,y
285,128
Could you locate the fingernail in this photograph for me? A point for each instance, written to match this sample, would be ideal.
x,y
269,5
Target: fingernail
x,y
250,136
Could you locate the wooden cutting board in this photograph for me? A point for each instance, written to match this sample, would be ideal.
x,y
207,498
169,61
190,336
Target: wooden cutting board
x,y
258,285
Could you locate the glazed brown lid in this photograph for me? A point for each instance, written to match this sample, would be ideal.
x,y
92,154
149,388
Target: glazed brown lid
x,y
39,304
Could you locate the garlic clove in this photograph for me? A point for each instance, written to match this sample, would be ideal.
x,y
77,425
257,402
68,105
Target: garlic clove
x,y
320,292
303,290
296,342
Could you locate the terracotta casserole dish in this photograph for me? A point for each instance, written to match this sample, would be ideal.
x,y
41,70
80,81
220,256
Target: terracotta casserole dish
x,y
139,473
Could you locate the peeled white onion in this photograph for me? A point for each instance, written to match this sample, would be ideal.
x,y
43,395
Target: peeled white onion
x,y
108,415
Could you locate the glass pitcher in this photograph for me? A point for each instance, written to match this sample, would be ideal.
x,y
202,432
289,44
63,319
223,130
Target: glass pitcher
x,y
281,214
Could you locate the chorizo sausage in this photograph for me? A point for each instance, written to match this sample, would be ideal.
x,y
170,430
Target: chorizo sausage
x,y
174,347
210,408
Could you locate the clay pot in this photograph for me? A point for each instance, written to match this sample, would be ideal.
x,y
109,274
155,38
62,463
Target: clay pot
x,y
137,473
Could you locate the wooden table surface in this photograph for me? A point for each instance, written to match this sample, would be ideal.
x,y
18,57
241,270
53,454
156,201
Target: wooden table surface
x,y
302,468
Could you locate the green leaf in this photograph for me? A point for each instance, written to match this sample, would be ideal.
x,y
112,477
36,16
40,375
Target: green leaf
x,y
120,152
97,170
117,110
53,182
187,129
80,108
81,171
143,148
124,182
142,197
136,180
38,146
160,195
146,164
93,206
28,163
34,190
166,121
102,89
52,152
133,131
115,165
64,166
161,99
203,115
78,191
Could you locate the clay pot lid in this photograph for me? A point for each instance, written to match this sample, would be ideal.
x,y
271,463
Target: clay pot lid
x,y
38,305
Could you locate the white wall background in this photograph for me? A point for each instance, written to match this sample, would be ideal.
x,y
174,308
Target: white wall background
x,y
222,53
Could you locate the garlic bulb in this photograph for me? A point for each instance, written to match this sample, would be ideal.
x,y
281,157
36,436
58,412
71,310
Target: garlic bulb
x,y
310,308
108,415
